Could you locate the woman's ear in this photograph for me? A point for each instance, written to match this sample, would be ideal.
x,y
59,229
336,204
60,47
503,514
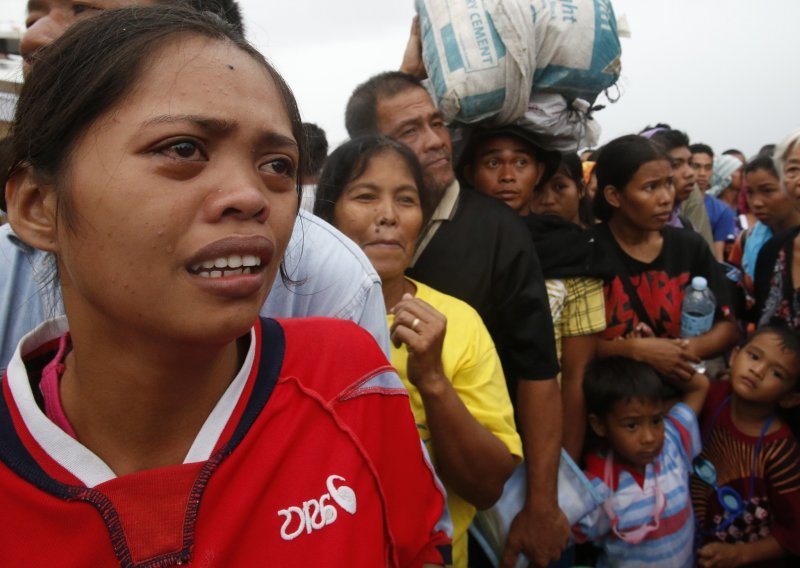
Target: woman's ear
x,y
597,425
612,196
32,210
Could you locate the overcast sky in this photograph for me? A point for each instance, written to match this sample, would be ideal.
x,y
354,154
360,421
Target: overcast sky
x,y
725,71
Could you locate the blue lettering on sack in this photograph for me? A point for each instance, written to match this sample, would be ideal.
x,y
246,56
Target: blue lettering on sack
x,y
568,9
605,16
484,42
603,69
480,37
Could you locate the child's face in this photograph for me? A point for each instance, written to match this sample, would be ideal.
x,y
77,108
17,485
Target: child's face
x,y
763,371
635,430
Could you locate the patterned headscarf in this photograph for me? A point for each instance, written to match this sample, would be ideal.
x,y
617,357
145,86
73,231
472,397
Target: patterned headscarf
x,y
724,166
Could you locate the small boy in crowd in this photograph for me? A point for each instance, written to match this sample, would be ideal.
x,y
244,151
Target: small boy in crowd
x,y
746,488
642,465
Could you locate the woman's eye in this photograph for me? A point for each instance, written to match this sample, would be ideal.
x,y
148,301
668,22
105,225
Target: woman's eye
x,y
79,9
280,166
183,150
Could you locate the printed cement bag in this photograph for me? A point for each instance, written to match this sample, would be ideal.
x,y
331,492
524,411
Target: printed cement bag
x,y
484,57
580,55
473,74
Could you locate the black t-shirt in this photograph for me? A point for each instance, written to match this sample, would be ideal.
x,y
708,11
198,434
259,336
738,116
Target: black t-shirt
x,y
660,285
484,256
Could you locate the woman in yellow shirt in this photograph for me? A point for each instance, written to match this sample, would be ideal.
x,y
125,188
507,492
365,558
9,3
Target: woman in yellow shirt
x,y
370,190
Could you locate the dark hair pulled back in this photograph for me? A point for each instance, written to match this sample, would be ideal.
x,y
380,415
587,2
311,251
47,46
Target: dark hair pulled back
x,y
91,68
618,162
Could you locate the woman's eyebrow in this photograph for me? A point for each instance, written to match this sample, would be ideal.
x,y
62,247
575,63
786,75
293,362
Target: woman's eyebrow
x,y
206,123
219,126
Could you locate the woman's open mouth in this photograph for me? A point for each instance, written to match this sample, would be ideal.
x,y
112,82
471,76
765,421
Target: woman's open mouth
x,y
231,265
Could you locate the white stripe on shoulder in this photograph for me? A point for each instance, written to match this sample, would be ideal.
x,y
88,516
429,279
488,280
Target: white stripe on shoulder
x,y
79,460
209,434
60,446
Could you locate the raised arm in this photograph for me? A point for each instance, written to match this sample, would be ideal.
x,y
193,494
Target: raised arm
x,y
469,458
413,63
693,391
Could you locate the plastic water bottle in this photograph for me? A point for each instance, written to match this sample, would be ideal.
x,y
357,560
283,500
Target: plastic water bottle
x,y
697,312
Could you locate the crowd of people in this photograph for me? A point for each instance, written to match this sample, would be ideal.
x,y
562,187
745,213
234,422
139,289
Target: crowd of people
x,y
225,346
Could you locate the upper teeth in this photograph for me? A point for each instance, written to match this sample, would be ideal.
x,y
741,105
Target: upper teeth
x,y
231,261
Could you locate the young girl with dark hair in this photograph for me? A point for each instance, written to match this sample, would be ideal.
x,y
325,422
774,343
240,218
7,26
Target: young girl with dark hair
x,y
772,206
161,422
652,263
564,194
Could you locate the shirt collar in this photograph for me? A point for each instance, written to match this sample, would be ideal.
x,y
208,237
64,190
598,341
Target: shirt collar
x,y
444,211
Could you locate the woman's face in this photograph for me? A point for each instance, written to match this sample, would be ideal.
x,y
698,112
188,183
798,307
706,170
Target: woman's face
x,y
765,198
646,202
380,211
184,196
559,196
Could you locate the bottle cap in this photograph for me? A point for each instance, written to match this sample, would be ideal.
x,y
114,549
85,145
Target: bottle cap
x,y
699,283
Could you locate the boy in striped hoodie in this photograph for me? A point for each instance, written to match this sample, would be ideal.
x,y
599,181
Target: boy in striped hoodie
x,y
641,464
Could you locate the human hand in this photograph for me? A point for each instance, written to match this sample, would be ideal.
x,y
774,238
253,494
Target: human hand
x,y
413,63
641,330
718,555
541,533
669,357
422,329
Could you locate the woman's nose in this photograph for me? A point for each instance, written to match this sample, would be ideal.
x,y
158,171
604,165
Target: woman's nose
x,y
386,212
